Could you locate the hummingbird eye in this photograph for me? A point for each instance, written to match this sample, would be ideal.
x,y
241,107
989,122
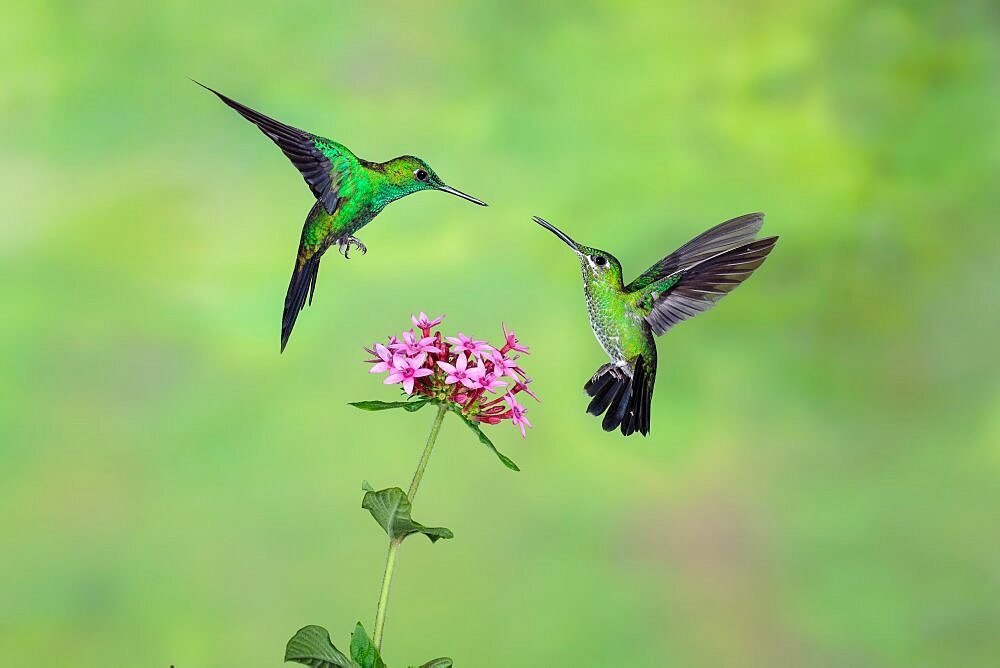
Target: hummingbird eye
x,y
600,260
420,175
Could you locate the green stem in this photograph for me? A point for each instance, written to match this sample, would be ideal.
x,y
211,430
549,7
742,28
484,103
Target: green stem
x,y
390,560
431,439
383,597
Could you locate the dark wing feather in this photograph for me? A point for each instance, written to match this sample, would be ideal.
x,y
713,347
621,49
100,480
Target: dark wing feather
x,y
702,285
722,237
299,146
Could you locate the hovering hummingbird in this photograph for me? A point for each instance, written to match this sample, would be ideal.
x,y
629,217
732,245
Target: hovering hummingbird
x,y
349,192
625,317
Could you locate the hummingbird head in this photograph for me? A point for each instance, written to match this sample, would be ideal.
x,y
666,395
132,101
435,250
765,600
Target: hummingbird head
x,y
597,265
409,174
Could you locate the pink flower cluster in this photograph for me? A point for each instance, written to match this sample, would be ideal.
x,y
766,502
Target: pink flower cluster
x,y
458,369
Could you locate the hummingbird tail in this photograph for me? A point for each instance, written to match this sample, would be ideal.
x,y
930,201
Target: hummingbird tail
x,y
301,287
636,417
626,397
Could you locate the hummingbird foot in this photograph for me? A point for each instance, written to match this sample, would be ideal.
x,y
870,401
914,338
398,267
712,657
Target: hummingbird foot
x,y
345,246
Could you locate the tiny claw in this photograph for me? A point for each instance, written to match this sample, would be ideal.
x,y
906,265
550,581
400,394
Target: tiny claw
x,y
345,246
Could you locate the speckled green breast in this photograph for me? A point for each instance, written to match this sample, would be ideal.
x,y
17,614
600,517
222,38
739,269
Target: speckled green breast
x,y
616,324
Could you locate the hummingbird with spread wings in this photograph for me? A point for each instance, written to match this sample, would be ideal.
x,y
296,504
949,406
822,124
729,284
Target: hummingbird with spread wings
x,y
349,192
626,317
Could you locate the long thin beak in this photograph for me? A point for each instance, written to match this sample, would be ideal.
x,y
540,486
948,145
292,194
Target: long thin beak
x,y
556,231
459,193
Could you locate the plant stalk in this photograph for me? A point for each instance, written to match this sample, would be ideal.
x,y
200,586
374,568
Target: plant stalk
x,y
425,457
394,543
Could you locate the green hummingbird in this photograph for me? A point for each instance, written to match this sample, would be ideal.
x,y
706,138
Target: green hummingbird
x,y
625,317
349,192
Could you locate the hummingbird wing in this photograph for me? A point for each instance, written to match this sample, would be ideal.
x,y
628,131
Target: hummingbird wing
x,y
625,392
722,237
300,147
687,292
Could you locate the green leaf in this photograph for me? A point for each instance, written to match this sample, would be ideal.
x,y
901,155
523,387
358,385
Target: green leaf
x,y
363,650
485,440
443,662
311,645
391,509
411,406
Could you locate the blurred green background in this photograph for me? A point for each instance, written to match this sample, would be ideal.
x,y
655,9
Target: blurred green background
x,y
821,483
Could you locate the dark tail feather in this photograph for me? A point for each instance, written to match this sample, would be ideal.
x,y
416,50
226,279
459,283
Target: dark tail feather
x,y
312,287
301,287
616,411
603,386
611,389
637,416
625,398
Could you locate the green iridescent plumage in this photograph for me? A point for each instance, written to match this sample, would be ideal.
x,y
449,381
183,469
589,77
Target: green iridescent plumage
x,y
625,318
349,192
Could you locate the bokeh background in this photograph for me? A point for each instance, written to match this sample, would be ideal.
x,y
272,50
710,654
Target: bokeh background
x,y
820,487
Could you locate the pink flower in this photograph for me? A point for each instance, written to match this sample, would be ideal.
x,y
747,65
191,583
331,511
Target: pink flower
x,y
424,324
503,366
464,344
493,407
489,382
488,419
520,386
460,373
510,341
487,379
479,381
384,362
406,370
411,346
517,413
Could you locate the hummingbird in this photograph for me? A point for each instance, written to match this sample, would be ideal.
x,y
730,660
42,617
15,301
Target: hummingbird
x,y
349,192
626,317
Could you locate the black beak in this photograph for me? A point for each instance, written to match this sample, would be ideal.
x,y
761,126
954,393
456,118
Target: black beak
x,y
459,193
556,231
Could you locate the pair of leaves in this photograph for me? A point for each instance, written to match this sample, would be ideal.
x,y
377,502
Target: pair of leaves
x,y
311,646
411,406
391,509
